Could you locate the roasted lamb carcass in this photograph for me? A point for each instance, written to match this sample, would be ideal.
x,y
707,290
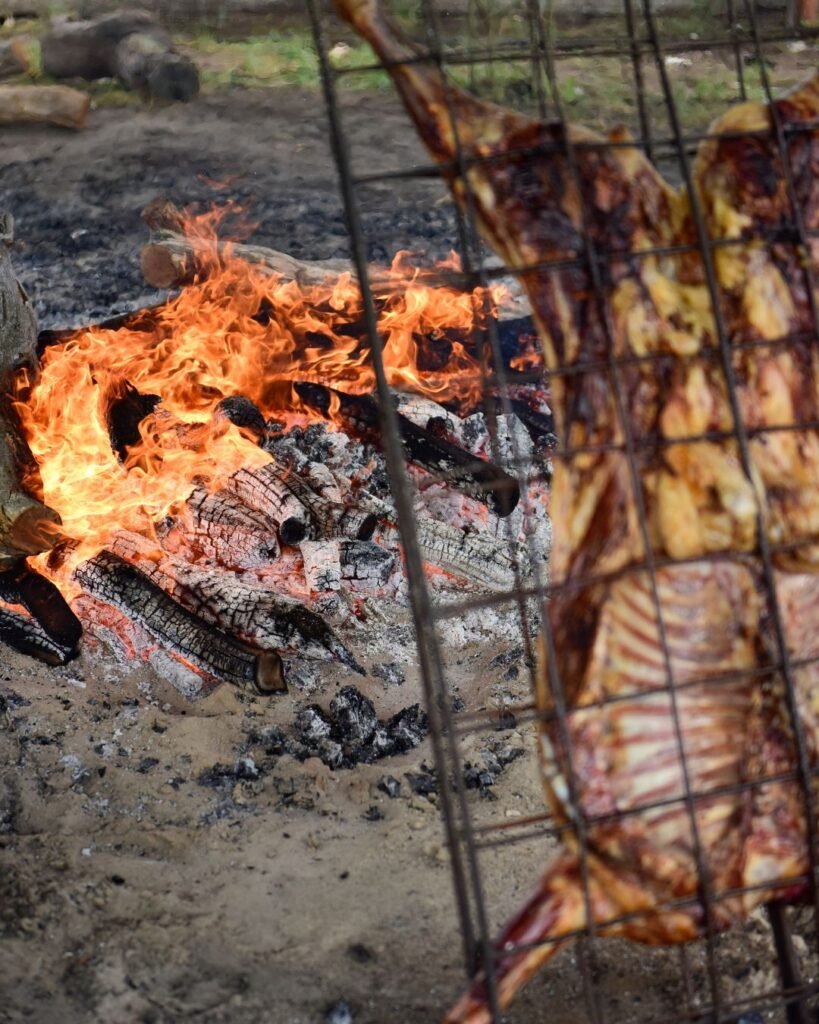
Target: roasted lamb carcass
x,y
678,733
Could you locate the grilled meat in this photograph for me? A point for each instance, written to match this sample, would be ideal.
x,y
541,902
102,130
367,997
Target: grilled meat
x,y
677,741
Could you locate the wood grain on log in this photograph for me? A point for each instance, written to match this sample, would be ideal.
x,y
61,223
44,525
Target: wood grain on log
x,y
171,258
13,59
27,526
25,634
473,476
221,528
265,491
43,104
109,578
128,45
476,558
251,611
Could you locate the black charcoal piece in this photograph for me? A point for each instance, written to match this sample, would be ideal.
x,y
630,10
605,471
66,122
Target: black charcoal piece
x,y
354,718
408,728
127,408
390,785
242,413
422,783
312,725
391,672
373,813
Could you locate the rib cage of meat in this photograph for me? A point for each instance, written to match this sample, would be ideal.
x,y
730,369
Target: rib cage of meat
x,y
695,645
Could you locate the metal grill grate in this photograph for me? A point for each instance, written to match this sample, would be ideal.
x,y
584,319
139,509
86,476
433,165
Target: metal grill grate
x,y
540,46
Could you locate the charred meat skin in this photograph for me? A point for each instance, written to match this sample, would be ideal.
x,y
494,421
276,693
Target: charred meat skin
x,y
632,766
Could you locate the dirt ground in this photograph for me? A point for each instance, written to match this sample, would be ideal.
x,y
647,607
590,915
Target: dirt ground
x,y
160,859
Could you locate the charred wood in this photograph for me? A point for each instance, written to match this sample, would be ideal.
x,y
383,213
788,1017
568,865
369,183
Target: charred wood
x,y
128,45
322,565
276,490
365,564
25,634
59,105
126,409
265,491
221,528
473,476
474,557
45,603
243,413
110,579
251,611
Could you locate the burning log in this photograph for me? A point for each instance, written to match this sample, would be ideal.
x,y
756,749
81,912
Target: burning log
x,y
473,476
129,46
251,611
172,258
365,565
277,492
219,527
109,578
49,611
322,565
27,526
265,491
13,59
25,634
476,558
43,104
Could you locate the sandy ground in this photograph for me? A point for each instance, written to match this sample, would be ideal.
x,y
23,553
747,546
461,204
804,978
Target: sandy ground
x,y
148,871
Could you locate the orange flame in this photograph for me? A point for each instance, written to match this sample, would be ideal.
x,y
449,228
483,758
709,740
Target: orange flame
x,y
237,330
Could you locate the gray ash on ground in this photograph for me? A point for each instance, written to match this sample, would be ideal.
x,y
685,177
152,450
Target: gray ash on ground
x,y
495,758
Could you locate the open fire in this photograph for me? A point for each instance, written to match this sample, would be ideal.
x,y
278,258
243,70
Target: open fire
x,y
215,462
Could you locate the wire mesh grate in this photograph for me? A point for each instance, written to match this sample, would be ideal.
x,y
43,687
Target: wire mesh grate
x,y
528,56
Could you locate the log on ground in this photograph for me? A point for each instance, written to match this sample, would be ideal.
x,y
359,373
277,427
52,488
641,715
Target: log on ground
x,y
13,59
110,579
59,105
249,610
127,45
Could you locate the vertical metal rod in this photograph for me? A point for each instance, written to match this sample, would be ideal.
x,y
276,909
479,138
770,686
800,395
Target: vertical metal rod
x,y
740,66
639,83
787,961
427,641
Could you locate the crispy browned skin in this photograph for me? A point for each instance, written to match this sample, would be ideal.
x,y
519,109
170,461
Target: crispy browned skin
x,y
631,767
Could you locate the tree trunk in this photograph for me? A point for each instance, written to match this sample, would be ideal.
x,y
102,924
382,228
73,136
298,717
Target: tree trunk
x,y
27,526
43,104
129,46
13,59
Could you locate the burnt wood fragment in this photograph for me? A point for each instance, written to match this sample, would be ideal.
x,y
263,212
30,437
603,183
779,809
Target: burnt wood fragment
x,y
475,477
222,528
243,413
13,59
126,409
109,578
267,490
25,634
252,611
45,603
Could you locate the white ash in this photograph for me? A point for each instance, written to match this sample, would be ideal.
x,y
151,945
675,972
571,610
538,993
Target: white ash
x,y
322,565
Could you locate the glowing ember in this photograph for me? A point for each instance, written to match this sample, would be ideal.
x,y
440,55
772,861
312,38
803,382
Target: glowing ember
x,y
235,331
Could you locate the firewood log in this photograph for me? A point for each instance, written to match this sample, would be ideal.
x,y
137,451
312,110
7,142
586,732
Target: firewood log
x,y
43,104
27,526
128,45
13,59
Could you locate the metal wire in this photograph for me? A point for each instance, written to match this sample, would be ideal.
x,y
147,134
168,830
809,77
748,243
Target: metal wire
x,y
643,50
